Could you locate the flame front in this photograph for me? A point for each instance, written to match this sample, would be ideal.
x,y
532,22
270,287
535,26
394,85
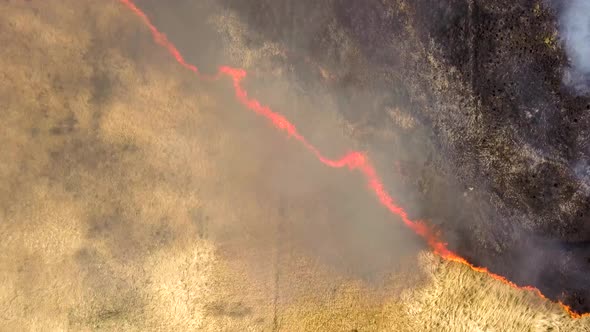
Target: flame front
x,y
355,160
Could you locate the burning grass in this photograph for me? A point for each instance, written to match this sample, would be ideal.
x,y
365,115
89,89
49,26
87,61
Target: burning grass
x,y
124,208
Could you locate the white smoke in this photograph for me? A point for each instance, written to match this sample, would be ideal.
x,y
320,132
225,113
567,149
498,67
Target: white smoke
x,y
574,26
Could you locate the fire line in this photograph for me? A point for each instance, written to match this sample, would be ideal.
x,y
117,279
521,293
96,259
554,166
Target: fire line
x,y
353,160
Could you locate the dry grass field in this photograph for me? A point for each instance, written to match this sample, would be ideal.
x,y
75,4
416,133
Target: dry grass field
x,y
134,197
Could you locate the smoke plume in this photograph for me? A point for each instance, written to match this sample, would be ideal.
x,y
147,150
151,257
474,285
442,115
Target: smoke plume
x,y
574,22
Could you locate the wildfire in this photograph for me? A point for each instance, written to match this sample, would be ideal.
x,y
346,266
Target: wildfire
x,y
353,161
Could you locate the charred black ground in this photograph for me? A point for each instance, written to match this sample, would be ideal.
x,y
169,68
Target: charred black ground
x,y
504,162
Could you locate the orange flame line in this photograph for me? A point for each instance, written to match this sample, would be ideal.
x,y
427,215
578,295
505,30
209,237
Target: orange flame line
x,y
354,160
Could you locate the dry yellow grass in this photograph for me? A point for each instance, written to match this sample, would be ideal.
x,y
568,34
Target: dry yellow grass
x,y
132,200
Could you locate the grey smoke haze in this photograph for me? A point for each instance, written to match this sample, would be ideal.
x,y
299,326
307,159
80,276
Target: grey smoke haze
x,y
574,21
